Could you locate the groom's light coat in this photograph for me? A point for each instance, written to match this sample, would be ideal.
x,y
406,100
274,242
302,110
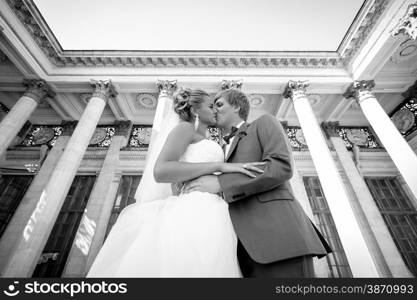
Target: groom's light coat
x,y
268,220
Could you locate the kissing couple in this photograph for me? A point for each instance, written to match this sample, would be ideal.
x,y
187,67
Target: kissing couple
x,y
203,210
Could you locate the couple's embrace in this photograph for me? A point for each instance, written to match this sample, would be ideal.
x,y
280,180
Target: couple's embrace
x,y
232,213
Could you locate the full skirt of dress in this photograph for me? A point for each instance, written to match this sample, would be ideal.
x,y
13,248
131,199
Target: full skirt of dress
x,y
190,235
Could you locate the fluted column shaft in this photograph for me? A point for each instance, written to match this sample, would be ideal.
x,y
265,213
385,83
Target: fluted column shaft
x,y
400,152
36,91
92,229
357,252
30,246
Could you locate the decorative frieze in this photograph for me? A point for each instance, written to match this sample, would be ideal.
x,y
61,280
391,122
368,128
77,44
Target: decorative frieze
x,y
38,89
102,136
140,137
296,138
360,136
42,135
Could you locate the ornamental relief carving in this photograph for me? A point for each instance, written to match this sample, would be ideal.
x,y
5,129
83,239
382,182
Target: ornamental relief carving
x,y
146,101
98,136
357,137
404,120
406,53
43,135
256,101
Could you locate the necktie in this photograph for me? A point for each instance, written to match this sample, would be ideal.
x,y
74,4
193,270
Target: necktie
x,y
232,133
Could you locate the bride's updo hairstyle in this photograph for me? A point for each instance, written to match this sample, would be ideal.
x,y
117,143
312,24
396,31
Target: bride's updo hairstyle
x,y
184,99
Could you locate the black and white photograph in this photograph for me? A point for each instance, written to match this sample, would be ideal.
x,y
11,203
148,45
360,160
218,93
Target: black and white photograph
x,y
266,139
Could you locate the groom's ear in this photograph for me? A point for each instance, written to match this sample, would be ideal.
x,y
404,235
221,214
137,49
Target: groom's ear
x,y
236,109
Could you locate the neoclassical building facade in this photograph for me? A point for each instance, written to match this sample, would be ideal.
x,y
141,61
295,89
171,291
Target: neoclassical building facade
x,y
75,127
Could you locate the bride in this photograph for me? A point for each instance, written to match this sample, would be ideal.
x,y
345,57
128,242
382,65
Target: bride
x,y
188,235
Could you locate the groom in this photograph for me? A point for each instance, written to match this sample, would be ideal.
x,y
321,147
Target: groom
x,y
275,237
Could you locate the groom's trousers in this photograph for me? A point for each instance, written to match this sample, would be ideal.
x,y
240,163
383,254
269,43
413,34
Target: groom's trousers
x,y
296,267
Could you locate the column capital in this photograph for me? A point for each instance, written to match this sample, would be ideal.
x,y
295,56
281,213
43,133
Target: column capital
x,y
411,92
295,88
123,128
166,87
407,25
231,84
37,89
68,127
358,89
330,129
103,89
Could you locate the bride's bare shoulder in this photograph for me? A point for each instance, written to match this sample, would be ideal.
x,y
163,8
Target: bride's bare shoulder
x,y
184,126
184,130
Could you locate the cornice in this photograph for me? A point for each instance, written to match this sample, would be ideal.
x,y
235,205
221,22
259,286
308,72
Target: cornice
x,y
30,17
361,28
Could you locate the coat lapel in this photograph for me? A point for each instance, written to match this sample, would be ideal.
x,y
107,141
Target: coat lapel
x,y
236,140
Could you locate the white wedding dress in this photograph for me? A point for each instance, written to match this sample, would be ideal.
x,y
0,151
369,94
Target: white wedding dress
x,y
190,235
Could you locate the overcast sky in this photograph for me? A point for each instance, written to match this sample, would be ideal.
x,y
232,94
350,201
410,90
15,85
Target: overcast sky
x,y
266,25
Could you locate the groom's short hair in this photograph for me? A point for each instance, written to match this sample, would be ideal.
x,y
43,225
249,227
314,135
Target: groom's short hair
x,y
236,98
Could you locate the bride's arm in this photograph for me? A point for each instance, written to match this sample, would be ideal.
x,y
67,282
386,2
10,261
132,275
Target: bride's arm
x,y
168,168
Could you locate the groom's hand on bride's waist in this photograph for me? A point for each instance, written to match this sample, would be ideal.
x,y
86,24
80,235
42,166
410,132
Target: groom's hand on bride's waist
x,y
207,183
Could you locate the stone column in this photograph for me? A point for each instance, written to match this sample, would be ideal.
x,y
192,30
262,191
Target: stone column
x,y
26,213
166,88
23,261
357,252
165,104
36,91
92,229
400,152
381,245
